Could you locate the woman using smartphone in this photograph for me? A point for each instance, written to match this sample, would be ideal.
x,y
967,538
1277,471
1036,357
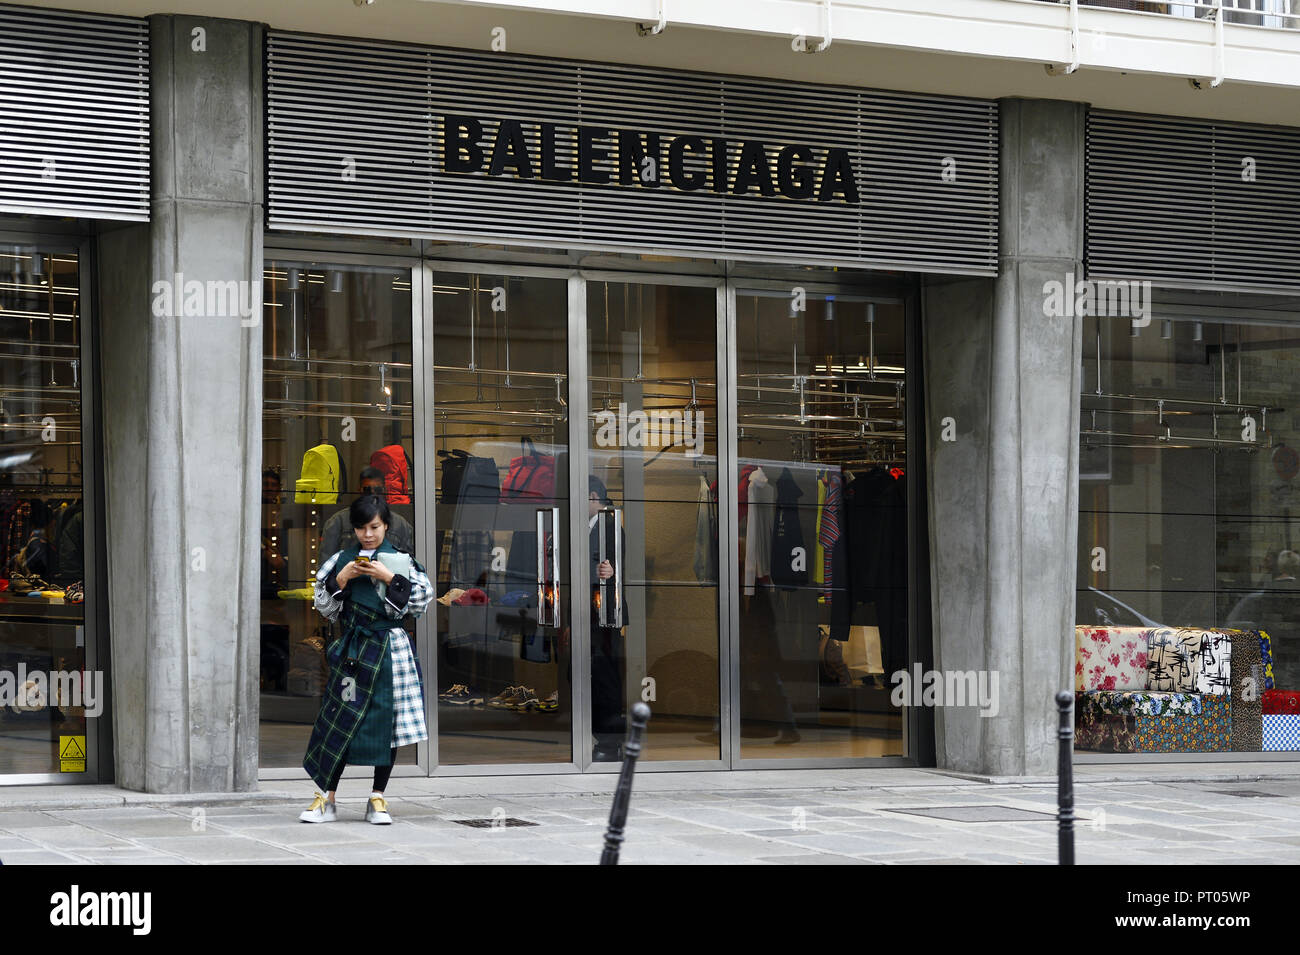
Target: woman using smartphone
x,y
374,701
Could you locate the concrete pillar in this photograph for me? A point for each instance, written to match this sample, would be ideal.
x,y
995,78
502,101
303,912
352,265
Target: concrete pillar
x,y
182,423
1004,491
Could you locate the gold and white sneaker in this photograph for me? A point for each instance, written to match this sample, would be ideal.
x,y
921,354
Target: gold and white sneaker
x,y
320,810
377,811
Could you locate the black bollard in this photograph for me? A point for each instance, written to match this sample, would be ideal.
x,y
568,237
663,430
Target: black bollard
x,y
623,794
1065,777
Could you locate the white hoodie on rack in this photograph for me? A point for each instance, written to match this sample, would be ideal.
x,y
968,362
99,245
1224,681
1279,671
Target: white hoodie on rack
x,y
760,521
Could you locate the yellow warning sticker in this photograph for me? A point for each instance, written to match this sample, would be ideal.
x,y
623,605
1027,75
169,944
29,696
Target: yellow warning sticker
x,y
72,754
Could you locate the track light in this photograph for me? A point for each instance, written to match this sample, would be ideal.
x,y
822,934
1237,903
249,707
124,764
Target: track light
x,y
292,282
1167,328
1198,332
336,281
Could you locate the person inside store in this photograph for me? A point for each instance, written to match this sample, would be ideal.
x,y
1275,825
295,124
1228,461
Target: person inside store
x,y
1275,609
374,701
338,529
608,719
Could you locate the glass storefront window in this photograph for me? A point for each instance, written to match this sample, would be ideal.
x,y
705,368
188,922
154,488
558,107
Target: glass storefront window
x,y
823,532
43,722
337,418
1189,535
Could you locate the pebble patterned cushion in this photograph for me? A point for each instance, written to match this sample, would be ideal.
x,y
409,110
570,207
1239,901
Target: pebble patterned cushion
x,y
1246,726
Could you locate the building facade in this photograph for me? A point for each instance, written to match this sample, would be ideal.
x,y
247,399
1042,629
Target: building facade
x,y
893,382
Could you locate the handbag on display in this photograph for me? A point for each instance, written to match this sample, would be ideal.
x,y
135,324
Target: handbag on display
x,y
531,475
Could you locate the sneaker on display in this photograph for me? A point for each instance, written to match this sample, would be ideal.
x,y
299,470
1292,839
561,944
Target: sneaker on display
x,y
503,699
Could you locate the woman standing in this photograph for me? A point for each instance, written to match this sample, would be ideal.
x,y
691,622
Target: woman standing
x,y
374,702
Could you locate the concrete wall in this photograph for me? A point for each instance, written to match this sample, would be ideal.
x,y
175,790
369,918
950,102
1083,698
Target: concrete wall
x,y
182,427
1004,492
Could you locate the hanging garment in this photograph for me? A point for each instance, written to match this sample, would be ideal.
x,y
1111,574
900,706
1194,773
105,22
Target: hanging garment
x,y
706,534
874,567
471,484
789,561
320,480
828,534
391,462
758,534
819,550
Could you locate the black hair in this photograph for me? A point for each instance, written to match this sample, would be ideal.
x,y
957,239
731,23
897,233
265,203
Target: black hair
x,y
268,473
367,507
371,474
595,484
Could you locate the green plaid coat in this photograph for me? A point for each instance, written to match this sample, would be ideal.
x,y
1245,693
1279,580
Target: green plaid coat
x,y
374,699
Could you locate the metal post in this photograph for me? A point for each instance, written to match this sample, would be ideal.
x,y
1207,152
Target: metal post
x,y
1065,778
618,813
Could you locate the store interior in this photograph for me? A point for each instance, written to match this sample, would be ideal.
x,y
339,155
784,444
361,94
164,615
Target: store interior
x,y
42,563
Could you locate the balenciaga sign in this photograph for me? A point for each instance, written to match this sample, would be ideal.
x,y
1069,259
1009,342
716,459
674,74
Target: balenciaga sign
x,y
467,146
601,155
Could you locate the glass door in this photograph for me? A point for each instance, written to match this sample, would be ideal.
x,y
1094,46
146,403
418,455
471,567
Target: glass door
x,y
52,686
652,515
499,423
821,516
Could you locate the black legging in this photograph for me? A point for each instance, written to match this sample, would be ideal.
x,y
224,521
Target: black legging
x,y
381,774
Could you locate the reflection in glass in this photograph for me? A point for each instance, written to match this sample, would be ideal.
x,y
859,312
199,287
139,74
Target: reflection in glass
x,y
822,524
336,421
49,694
652,363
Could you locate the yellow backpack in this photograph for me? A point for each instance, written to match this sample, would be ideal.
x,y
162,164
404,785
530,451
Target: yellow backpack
x,y
319,483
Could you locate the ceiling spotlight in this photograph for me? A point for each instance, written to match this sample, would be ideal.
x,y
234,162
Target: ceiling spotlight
x,y
1198,332
292,282
830,307
336,281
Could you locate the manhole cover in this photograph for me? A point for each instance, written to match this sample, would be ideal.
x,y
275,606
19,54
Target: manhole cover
x,y
1249,793
508,822
980,813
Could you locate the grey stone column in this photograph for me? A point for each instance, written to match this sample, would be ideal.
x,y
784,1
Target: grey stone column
x,y
182,424
1004,491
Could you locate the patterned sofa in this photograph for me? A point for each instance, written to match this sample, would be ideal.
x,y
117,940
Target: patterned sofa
x,y
1170,689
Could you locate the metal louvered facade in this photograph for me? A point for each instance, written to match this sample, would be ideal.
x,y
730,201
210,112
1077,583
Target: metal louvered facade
x,y
357,133
1193,202
74,114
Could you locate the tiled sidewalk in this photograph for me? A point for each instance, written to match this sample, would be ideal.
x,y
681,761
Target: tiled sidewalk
x,y
785,818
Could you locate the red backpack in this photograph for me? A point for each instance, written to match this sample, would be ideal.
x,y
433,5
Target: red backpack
x,y
391,463
531,475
